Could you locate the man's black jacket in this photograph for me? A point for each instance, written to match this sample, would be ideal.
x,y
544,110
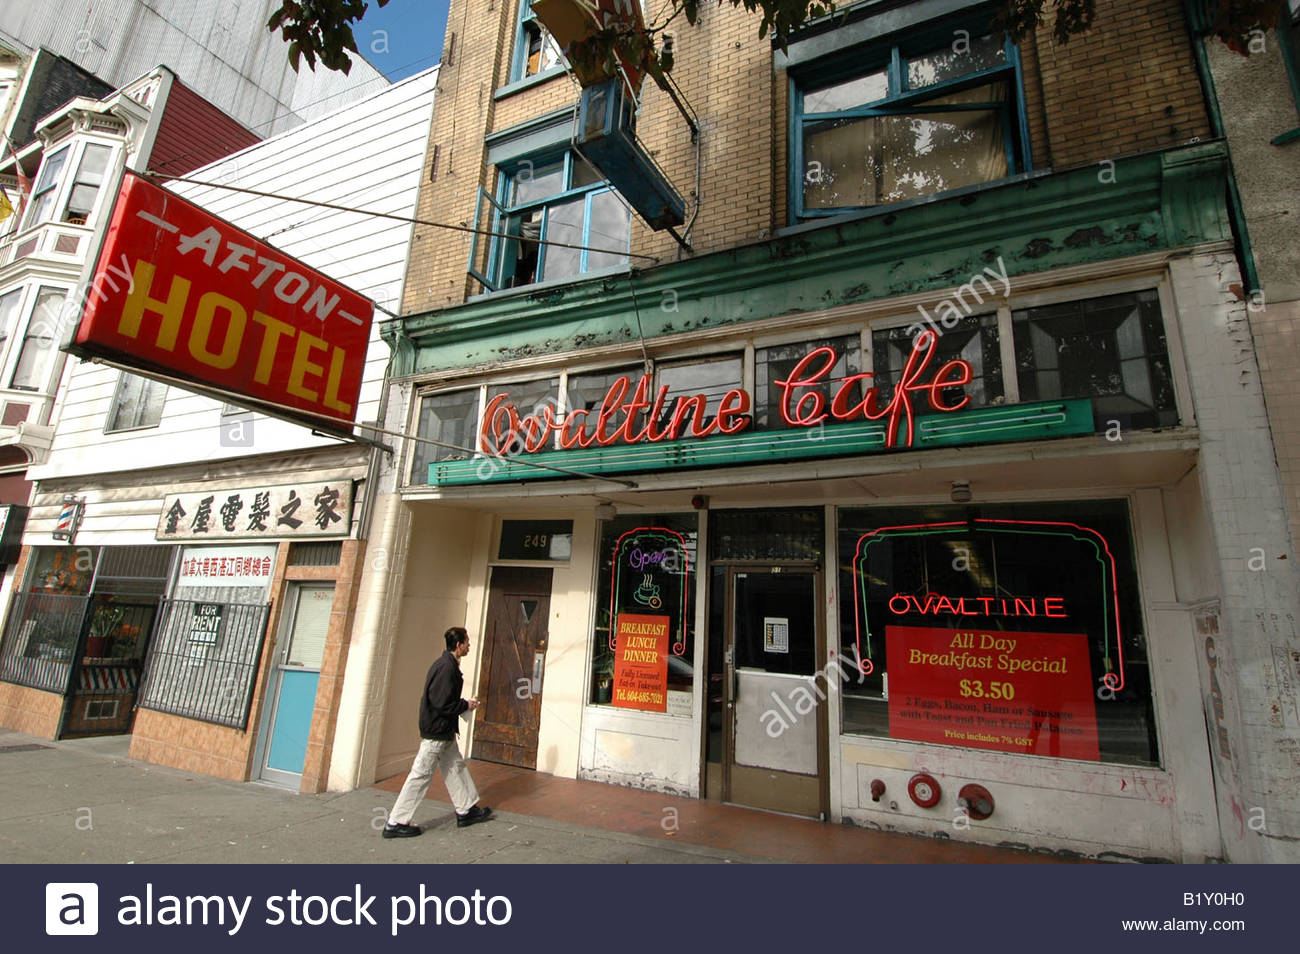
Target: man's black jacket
x,y
441,703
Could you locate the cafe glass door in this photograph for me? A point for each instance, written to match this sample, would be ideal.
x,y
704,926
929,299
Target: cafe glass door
x,y
770,705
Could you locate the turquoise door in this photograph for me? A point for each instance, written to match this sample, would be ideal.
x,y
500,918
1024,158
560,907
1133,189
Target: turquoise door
x,y
293,683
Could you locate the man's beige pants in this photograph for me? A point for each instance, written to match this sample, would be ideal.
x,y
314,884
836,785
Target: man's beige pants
x,y
439,753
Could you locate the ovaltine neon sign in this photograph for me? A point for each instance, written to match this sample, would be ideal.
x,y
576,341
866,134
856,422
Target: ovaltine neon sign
x,y
629,415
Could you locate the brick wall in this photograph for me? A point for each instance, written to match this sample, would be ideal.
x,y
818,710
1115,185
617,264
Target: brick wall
x,y
475,64
1128,86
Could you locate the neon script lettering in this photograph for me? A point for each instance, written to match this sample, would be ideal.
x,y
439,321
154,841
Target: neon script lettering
x,y
628,414
803,405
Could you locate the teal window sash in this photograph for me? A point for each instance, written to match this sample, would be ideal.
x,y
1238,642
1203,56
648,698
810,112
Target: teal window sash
x,y
904,101
504,217
519,62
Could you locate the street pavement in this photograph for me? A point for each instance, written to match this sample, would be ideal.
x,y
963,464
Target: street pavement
x,y
84,802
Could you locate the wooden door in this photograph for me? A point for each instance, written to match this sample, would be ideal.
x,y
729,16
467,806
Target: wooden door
x,y
510,677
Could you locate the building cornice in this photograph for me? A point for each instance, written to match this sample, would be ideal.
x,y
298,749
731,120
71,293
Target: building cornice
x,y
1135,206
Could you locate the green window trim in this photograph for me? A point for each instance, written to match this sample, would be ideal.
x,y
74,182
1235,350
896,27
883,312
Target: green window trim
x,y
891,57
506,216
529,32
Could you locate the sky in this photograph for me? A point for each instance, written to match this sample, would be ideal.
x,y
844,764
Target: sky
x,y
404,37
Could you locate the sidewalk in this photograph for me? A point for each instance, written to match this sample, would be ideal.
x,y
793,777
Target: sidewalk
x,y
84,801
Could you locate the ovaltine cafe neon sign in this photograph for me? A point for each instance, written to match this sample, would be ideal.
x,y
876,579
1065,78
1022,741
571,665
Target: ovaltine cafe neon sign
x,y
628,414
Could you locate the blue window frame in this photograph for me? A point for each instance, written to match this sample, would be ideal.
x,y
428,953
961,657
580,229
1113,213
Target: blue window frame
x,y
535,51
553,217
917,115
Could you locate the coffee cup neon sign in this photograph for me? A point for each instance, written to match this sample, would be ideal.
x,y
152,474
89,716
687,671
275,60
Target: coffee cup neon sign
x,y
629,415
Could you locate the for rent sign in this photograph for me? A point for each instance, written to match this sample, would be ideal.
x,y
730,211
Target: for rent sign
x,y
204,302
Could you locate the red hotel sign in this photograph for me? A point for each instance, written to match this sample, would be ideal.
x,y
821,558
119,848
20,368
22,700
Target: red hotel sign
x,y
629,415
181,293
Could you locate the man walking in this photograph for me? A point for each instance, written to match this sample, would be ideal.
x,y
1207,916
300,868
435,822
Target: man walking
x,y
439,707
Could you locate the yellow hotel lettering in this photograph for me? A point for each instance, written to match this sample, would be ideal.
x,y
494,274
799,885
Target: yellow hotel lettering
x,y
304,374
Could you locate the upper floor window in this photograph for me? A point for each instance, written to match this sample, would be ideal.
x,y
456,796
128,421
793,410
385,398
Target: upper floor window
x,y
921,116
45,191
40,345
85,184
137,403
10,302
535,51
73,199
554,219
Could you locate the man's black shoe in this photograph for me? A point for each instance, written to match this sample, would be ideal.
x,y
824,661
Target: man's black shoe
x,y
474,815
401,831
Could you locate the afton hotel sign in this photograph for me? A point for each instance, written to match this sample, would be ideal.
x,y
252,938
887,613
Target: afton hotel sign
x,y
181,294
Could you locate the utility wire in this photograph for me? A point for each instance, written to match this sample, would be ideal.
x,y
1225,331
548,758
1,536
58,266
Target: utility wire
x,y
396,218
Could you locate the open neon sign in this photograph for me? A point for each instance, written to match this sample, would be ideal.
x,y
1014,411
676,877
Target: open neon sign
x,y
656,560
629,414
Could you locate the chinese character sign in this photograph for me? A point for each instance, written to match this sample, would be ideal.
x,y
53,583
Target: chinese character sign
x,y
182,293
319,509
226,566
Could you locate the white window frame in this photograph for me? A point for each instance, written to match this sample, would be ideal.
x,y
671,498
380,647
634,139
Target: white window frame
x,y
65,182
12,350
124,380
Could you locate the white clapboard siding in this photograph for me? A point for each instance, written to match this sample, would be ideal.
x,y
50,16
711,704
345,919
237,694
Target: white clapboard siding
x,y
367,156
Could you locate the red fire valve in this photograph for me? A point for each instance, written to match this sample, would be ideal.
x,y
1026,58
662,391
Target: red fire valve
x,y
924,790
877,789
977,801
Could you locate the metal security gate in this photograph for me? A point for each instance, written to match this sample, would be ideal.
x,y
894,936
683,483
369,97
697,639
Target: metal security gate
x,y
41,639
204,660
106,670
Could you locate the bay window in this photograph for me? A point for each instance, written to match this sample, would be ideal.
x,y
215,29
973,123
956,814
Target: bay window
x,y
71,200
45,191
32,371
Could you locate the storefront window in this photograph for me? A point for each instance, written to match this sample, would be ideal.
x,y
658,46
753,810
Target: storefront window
x,y
451,418
529,399
1109,349
1012,628
973,339
211,628
586,392
66,571
644,642
777,363
712,378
